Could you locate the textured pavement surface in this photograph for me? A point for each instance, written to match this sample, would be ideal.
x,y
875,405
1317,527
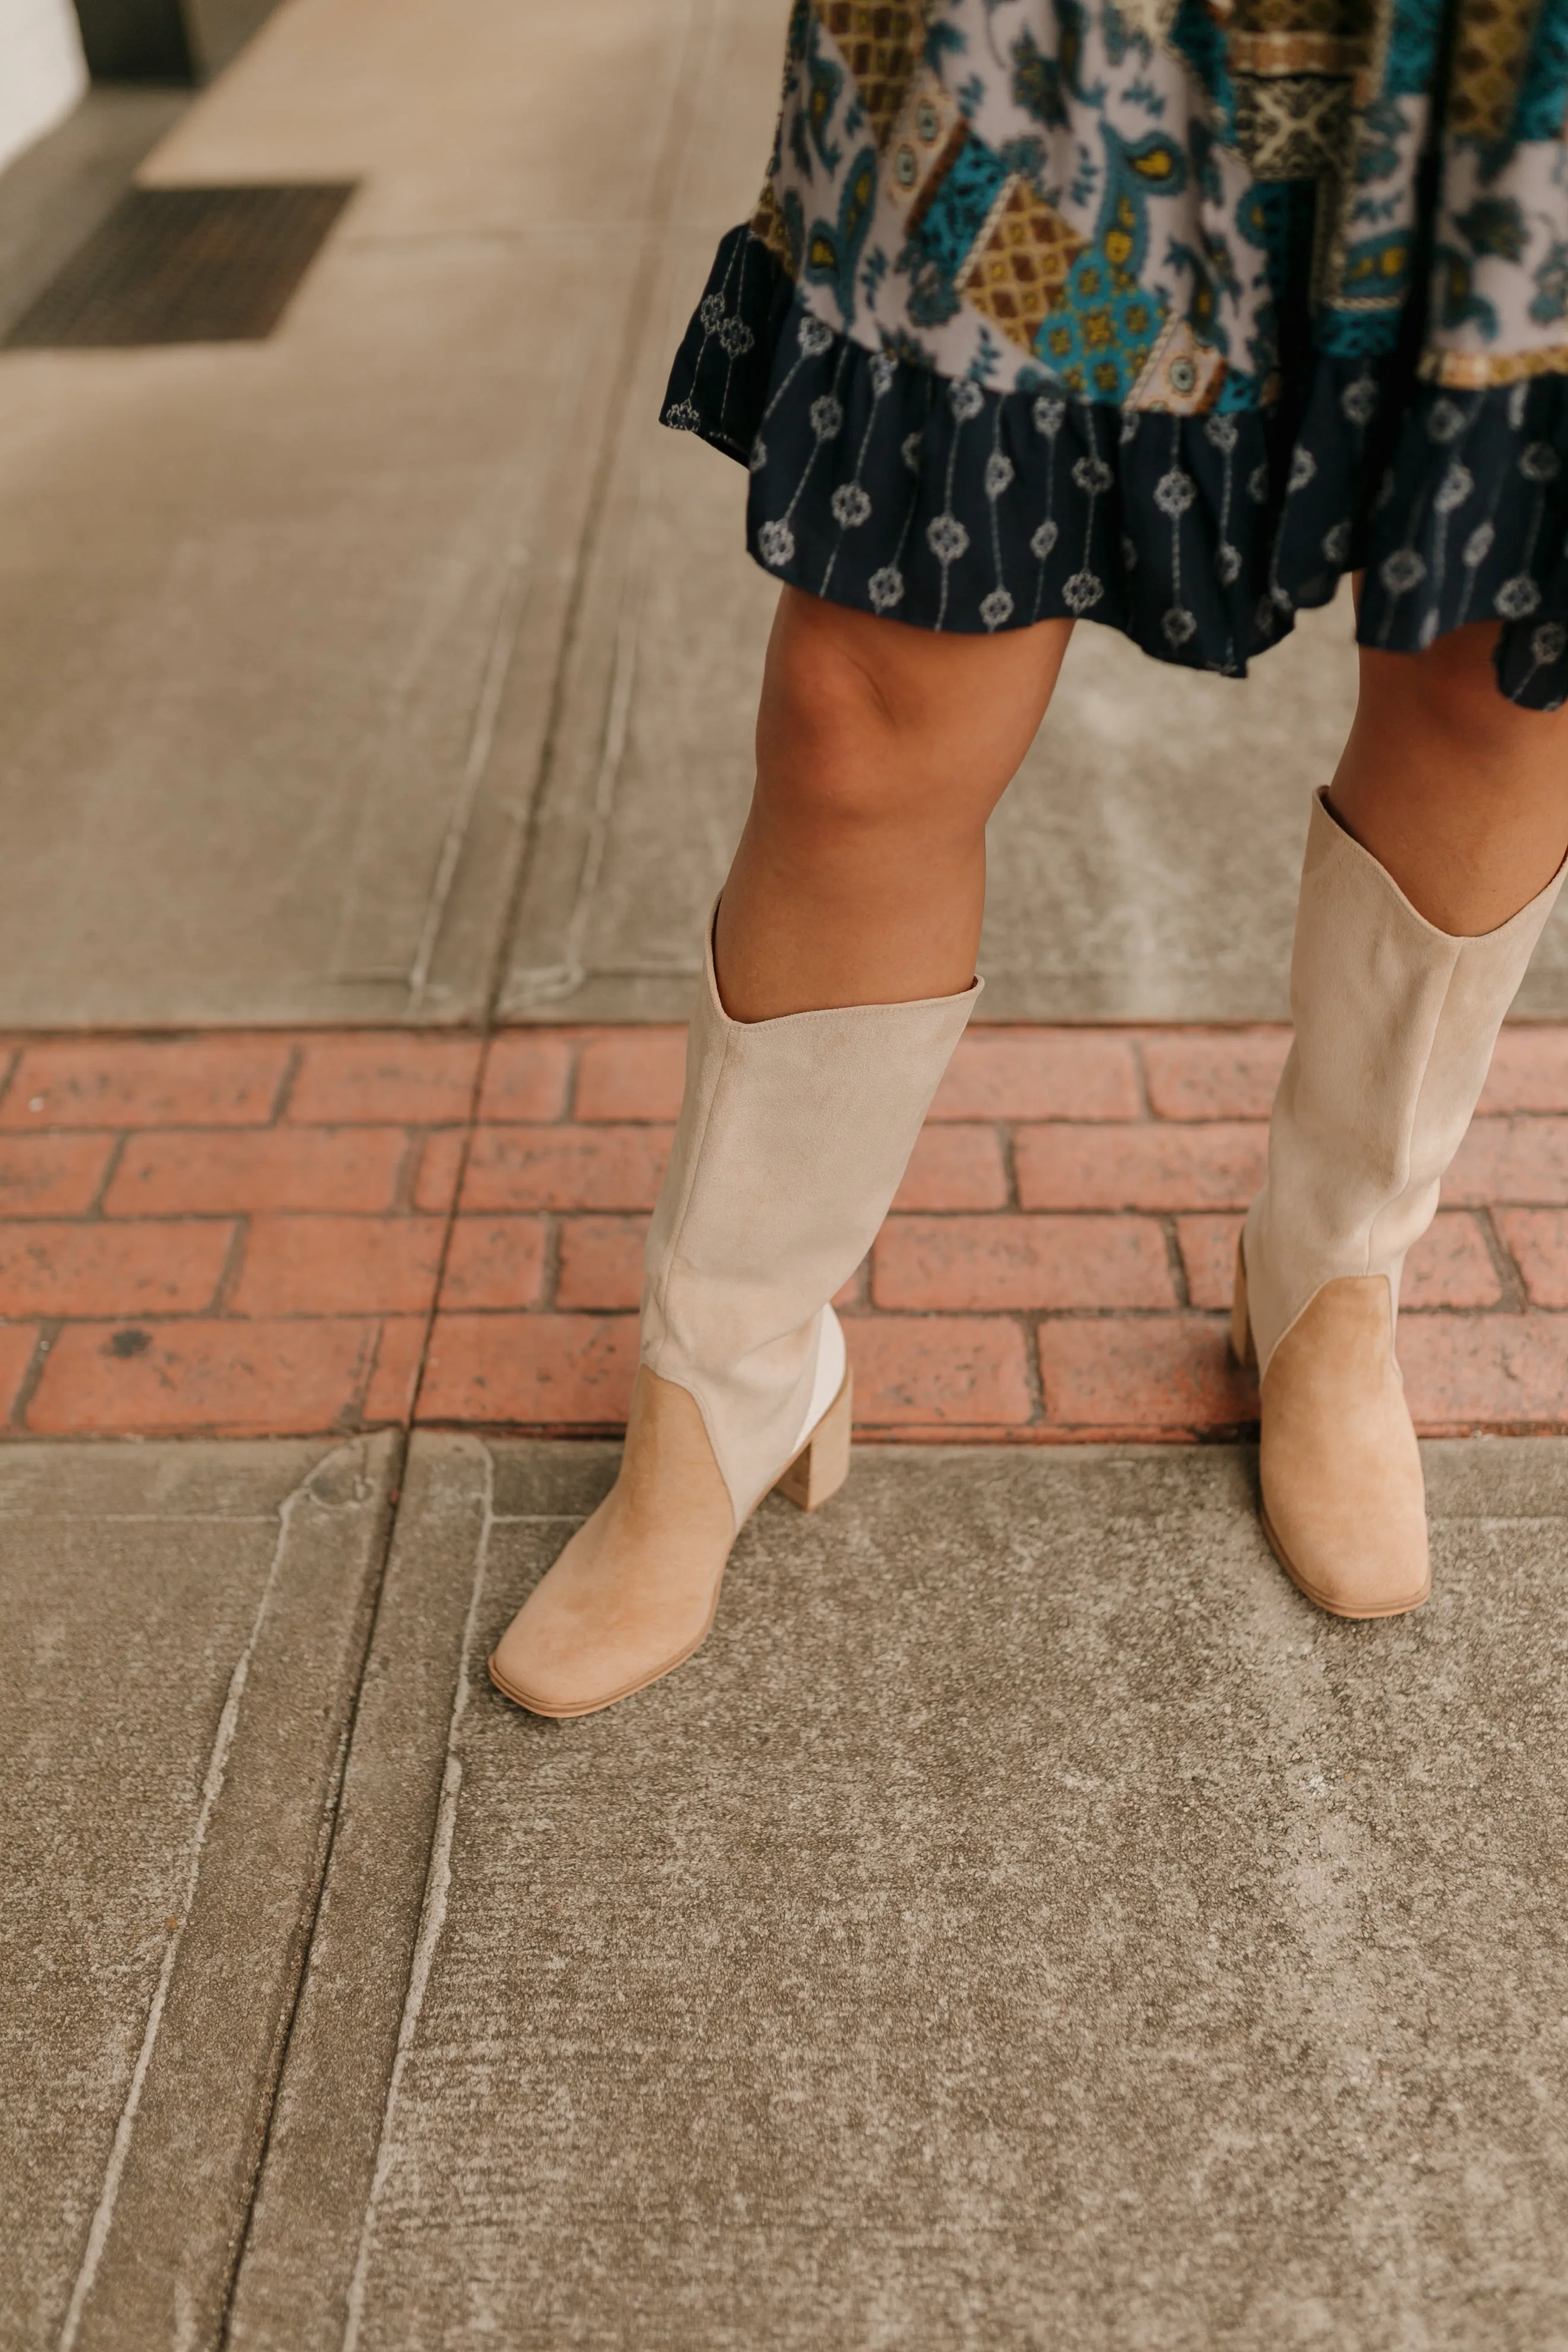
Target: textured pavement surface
x,y
1026,1922
277,1232
185,1635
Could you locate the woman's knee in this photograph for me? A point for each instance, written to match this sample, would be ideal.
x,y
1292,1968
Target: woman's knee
x,y
828,737
863,721
1450,690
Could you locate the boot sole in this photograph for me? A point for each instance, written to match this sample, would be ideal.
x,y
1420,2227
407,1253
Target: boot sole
x,y
807,1479
1246,1353
1319,1599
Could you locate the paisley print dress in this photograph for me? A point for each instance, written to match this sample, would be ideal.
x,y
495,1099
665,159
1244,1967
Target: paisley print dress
x,y
1163,313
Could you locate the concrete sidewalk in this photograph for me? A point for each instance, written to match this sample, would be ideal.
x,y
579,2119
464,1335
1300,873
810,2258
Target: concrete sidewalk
x,y
1026,1922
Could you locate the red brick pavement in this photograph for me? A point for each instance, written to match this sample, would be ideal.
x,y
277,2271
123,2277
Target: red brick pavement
x,y
299,1233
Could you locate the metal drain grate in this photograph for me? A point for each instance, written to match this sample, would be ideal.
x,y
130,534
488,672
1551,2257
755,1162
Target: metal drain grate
x,y
184,266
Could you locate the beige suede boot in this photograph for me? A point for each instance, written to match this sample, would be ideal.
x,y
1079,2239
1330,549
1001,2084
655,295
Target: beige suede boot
x,y
792,1139
1396,1023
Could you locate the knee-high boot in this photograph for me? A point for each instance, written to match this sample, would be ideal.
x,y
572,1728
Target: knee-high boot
x,y
793,1137
1396,1023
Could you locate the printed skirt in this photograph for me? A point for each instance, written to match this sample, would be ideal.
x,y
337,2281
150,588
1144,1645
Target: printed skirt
x,y
1160,313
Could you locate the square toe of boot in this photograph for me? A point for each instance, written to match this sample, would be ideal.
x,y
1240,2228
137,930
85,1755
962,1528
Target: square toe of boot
x,y
565,1688
562,1660
1360,1588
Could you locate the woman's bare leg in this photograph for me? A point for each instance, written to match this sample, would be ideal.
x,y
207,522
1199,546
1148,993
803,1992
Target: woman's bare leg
x,y
1461,795
860,882
881,752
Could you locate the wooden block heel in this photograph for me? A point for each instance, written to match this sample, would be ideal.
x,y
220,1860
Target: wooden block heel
x,y
822,1466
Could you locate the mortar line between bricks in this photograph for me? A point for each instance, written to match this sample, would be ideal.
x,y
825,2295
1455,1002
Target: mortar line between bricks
x,y
27,1389
1009,1166
234,1259
550,1263
1511,1282
410,1168
1175,1261
1141,1074
97,1212
1034,1370
281,1097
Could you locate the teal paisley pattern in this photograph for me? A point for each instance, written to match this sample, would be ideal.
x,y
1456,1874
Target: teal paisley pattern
x,y
1164,312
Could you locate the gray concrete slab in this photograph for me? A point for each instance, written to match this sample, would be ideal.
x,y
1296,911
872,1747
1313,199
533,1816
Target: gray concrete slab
x,y
185,1628
281,622
1026,1922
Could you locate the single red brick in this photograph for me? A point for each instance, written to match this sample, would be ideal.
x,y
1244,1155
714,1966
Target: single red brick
x,y
1538,1240
551,1371
1217,1164
1149,1376
238,1378
1485,1371
396,1378
337,1265
631,1074
132,1082
494,1262
954,1167
565,1168
1450,1265
1529,1069
939,1372
1021,1262
1214,1073
435,1185
601,1261
274,1168
1040,1073
1510,1159
99,1269
17,1342
385,1079
526,1072
51,1175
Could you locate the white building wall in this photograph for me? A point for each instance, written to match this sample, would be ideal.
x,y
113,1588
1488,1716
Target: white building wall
x,y
41,71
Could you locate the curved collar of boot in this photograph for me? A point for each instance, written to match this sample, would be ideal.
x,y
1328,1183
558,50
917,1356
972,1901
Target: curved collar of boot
x,y
967,997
